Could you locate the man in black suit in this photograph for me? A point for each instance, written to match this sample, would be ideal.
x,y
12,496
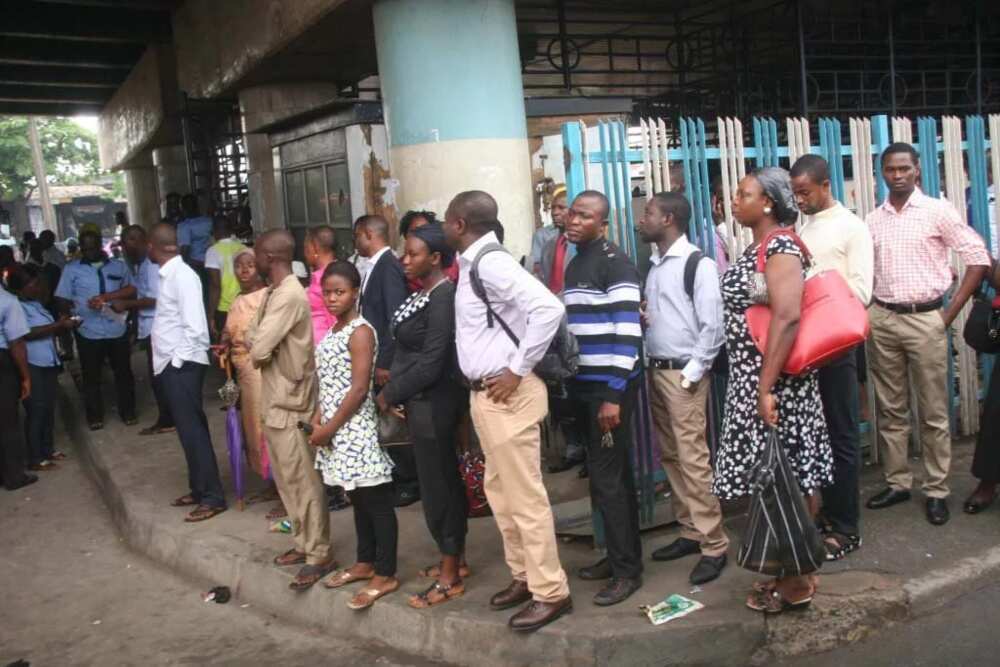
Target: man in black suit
x,y
383,289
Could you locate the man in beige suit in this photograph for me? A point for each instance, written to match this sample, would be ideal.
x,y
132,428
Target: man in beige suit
x,y
281,345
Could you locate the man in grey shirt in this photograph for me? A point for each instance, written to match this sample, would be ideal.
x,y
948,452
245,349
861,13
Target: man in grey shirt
x,y
684,333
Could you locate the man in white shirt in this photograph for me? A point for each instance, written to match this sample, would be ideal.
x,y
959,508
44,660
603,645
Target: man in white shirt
x,y
839,241
684,334
508,402
180,359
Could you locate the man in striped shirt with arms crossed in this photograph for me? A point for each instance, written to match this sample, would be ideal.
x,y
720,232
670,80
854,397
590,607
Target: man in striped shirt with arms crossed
x,y
602,301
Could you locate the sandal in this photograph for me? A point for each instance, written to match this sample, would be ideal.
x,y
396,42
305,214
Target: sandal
x,y
277,512
366,597
344,577
774,602
839,545
96,426
765,586
437,594
973,507
44,466
184,501
203,513
310,574
434,571
57,456
156,429
290,557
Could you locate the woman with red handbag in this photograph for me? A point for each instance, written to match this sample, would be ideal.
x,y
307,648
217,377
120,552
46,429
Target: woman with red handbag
x,y
759,396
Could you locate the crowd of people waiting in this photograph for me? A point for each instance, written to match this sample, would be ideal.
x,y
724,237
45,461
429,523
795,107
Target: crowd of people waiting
x,y
454,329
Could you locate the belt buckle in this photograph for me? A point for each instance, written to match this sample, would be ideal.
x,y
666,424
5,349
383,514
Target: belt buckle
x,y
913,308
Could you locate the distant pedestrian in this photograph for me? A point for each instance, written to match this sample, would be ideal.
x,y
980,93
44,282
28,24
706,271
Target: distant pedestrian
x,y
15,387
508,403
222,283
986,460
838,241
684,334
319,250
44,366
912,235
87,287
180,355
51,252
281,346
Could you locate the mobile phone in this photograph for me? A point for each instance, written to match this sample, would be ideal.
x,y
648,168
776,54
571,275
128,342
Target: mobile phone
x,y
305,427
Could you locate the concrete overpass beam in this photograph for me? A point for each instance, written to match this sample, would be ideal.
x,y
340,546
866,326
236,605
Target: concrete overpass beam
x,y
454,104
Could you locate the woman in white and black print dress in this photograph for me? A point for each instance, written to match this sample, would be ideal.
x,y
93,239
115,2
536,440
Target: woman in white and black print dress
x,y
345,434
763,203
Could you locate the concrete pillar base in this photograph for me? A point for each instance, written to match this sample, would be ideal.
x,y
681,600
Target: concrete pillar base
x,y
143,196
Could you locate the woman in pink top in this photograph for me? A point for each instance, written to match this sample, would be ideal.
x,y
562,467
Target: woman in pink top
x,y
319,250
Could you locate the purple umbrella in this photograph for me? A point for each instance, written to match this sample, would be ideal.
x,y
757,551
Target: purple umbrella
x,y
230,395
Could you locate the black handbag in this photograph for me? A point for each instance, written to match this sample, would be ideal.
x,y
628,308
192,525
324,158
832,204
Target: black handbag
x,y
781,538
982,328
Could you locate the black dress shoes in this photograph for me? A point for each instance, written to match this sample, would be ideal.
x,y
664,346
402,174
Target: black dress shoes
x,y
707,569
617,590
679,548
599,570
887,498
937,511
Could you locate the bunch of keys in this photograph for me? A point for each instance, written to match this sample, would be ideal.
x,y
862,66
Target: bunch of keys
x,y
607,440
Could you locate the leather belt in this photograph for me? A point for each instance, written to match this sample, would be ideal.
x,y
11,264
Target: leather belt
x,y
668,364
911,308
478,385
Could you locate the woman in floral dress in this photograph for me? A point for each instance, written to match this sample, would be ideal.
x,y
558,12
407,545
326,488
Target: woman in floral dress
x,y
759,396
345,431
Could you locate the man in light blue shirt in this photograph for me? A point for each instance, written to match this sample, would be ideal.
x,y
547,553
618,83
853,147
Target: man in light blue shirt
x,y
15,385
684,334
194,233
88,287
147,285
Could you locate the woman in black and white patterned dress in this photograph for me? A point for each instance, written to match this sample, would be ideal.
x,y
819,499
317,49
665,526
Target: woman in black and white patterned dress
x,y
345,433
759,395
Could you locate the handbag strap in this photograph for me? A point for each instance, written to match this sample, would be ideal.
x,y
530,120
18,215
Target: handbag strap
x,y
781,231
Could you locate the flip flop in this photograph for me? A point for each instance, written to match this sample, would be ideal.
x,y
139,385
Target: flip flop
x,y
203,513
57,456
184,501
157,430
344,577
310,574
434,571
290,557
774,602
370,596
444,594
971,507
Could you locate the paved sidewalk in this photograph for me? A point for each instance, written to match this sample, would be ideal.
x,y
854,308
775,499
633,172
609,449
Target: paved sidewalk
x,y
905,567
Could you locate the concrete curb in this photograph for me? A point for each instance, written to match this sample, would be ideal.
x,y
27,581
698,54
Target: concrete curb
x,y
851,605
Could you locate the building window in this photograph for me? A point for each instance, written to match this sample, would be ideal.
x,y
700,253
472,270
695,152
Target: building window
x,y
320,195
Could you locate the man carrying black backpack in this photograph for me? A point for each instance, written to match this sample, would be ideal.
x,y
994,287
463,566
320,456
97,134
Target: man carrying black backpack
x,y
684,335
602,301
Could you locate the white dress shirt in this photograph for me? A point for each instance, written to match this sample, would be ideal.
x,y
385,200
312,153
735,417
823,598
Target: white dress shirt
x,y
372,261
180,329
530,310
678,327
839,241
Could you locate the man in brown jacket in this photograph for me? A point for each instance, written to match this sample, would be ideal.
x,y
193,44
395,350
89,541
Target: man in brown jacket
x,y
281,345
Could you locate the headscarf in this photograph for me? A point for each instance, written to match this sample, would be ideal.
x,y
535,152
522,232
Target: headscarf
x,y
433,236
242,251
778,187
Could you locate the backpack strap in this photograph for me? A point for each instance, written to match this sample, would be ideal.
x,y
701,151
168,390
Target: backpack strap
x,y
480,291
690,269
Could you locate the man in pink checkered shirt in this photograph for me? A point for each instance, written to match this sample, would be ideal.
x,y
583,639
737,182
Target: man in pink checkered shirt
x,y
912,235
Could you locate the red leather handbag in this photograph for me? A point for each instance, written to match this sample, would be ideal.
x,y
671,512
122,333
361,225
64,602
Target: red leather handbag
x,y
832,320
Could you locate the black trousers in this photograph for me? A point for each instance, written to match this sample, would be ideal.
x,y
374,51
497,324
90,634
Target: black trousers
x,y
433,424
986,461
612,485
183,387
12,448
163,419
40,409
838,388
117,351
375,524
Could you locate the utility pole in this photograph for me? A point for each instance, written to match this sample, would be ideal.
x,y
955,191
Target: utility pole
x,y
48,214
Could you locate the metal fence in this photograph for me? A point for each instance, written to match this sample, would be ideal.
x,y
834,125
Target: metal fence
x,y
629,163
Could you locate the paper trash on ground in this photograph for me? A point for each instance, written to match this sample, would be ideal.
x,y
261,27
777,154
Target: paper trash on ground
x,y
673,607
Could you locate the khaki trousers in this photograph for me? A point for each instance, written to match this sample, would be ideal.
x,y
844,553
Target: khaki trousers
x,y
680,421
915,342
301,490
511,440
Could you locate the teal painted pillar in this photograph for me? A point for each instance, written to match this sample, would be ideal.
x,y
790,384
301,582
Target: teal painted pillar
x,y
450,73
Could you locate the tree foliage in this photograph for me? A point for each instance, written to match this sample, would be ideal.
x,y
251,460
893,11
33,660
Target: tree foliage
x,y
69,151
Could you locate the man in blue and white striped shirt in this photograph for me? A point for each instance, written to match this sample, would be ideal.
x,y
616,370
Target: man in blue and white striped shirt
x,y
602,302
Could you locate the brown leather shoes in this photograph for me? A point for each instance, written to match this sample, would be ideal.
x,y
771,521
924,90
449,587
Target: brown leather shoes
x,y
516,593
539,614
